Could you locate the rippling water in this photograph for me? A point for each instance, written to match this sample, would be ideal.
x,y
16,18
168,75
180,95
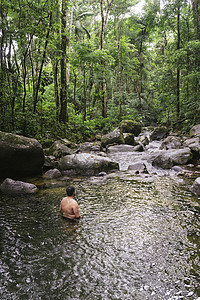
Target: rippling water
x,y
136,240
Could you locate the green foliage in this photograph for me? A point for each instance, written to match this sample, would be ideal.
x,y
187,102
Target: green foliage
x,y
138,67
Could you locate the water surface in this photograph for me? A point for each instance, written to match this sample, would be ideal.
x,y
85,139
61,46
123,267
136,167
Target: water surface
x,y
136,240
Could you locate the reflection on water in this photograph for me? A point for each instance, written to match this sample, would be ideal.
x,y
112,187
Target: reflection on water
x,y
135,241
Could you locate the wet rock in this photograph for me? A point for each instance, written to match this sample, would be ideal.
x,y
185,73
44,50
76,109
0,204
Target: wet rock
x,y
162,160
171,142
58,149
90,147
129,126
120,148
169,158
177,169
114,137
10,186
195,130
193,144
159,133
85,164
195,188
20,156
98,180
53,173
102,174
138,168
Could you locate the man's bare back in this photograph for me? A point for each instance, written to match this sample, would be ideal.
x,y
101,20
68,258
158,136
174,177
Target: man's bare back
x,y
68,206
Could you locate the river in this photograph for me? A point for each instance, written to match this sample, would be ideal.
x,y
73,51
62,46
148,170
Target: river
x,y
137,240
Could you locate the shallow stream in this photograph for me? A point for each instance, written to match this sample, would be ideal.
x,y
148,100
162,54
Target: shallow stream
x,y
136,240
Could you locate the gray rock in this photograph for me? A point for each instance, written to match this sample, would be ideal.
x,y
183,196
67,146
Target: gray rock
x,y
53,173
20,156
195,188
10,186
177,169
193,144
58,149
90,147
171,142
138,168
169,158
85,164
195,130
120,148
159,133
114,137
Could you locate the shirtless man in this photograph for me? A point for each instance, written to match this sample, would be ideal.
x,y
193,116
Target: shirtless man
x,y
68,206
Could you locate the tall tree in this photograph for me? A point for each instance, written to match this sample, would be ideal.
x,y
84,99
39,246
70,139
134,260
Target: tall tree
x,y
104,20
63,64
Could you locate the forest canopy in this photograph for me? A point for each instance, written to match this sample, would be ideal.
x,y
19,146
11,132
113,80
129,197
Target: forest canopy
x,y
77,68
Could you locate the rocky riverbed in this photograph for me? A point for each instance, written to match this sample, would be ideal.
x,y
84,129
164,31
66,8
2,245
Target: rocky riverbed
x,y
127,151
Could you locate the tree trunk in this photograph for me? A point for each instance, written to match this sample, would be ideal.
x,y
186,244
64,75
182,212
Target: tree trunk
x,y
178,70
104,20
42,64
56,93
63,65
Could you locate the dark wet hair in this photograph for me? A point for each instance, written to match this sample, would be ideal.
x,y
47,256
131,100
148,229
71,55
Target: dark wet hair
x,y
70,190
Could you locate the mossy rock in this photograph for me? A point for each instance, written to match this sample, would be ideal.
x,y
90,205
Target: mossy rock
x,y
129,126
114,137
130,139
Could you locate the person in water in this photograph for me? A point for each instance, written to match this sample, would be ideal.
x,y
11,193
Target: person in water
x,y
68,206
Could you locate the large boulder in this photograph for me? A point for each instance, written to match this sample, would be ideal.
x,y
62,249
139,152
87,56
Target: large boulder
x,y
10,186
169,158
195,130
159,133
58,149
193,144
171,142
129,126
52,173
114,137
19,156
90,147
86,164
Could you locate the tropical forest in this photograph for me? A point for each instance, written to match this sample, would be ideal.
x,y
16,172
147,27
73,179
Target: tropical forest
x,y
78,68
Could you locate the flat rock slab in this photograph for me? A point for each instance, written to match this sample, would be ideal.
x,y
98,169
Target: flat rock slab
x,y
86,164
10,186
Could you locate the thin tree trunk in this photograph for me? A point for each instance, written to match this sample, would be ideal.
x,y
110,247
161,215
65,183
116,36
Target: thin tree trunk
x,y
178,70
42,64
104,20
56,93
63,65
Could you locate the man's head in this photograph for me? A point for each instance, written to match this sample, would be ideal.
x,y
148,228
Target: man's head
x,y
70,191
